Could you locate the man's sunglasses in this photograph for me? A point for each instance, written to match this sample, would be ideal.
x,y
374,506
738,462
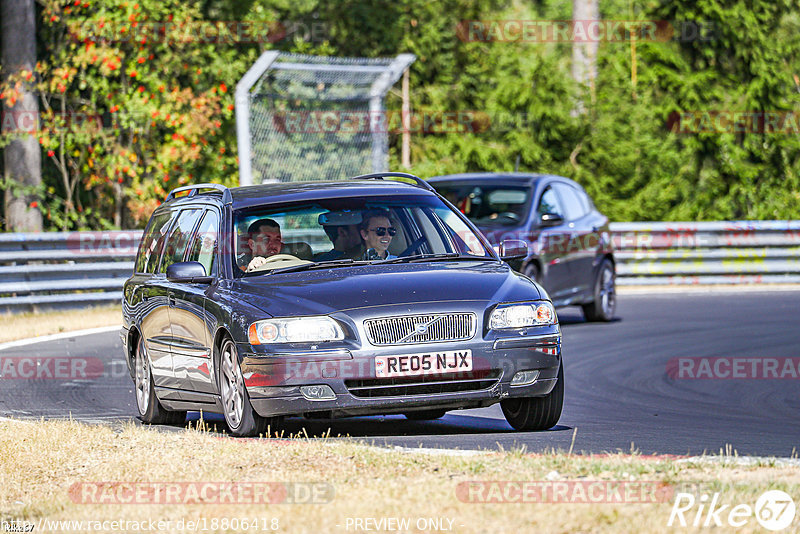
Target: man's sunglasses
x,y
381,231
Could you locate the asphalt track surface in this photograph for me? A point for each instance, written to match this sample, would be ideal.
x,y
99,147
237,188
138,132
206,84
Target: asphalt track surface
x,y
619,394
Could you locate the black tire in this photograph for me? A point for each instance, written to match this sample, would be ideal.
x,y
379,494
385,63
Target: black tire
x,y
147,404
425,415
536,413
241,418
604,305
532,271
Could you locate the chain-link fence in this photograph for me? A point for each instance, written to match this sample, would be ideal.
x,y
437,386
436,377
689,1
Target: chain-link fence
x,y
302,118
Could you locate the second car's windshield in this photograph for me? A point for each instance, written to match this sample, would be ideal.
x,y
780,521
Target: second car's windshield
x,y
504,205
337,231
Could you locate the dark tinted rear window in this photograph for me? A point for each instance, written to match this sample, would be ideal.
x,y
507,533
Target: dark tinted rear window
x,y
150,247
204,242
178,239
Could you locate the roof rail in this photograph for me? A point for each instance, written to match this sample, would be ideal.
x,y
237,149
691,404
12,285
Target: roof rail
x,y
195,189
419,182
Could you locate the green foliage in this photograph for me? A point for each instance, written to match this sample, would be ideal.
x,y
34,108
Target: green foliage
x,y
167,106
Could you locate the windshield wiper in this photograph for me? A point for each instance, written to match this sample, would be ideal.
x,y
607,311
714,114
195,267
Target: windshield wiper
x,y
346,262
319,265
434,257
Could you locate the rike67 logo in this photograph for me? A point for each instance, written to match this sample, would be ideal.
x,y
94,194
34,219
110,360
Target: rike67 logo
x,y
774,510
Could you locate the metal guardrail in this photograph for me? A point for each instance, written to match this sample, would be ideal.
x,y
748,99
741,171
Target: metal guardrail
x,y
64,269
69,269
706,253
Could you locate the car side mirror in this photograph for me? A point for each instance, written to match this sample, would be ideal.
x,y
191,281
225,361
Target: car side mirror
x,y
512,249
191,272
551,219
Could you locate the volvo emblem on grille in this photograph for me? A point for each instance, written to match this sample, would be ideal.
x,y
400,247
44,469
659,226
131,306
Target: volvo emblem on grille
x,y
420,329
427,328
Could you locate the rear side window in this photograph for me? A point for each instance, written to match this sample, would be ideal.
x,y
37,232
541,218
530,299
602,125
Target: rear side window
x,y
178,239
572,205
150,247
585,201
204,242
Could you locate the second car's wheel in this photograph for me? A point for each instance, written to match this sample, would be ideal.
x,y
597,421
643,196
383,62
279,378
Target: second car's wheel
x,y
536,413
532,271
148,405
604,305
425,415
240,416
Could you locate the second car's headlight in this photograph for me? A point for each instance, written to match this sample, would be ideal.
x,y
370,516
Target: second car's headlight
x,y
522,315
295,330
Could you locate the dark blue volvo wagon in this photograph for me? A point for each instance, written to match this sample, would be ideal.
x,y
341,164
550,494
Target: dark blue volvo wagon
x,y
368,296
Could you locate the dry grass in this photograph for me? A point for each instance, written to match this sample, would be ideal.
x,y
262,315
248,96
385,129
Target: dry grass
x,y
40,462
25,325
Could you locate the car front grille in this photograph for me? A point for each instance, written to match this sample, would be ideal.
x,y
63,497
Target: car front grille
x,y
426,385
428,328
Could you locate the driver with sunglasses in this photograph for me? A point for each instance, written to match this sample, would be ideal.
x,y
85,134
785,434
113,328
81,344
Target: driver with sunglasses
x,y
377,232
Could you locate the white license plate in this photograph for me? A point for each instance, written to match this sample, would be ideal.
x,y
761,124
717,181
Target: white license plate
x,y
428,363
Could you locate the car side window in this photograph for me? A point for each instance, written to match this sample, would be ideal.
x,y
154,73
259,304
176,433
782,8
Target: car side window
x,y
585,201
572,205
178,239
150,247
549,203
204,241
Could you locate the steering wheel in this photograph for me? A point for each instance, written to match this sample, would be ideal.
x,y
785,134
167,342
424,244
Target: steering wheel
x,y
280,257
509,215
260,261
413,247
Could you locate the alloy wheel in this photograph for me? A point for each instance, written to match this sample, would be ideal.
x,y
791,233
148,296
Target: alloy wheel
x,y
232,385
142,379
608,292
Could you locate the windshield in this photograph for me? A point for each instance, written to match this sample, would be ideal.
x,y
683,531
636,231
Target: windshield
x,y
342,231
504,205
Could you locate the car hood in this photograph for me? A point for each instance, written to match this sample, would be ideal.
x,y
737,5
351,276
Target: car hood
x,y
343,288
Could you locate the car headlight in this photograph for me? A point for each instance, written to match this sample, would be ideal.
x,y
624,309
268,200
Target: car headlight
x,y
522,315
295,330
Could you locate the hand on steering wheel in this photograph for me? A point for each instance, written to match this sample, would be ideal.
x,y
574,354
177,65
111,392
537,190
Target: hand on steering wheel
x,y
260,261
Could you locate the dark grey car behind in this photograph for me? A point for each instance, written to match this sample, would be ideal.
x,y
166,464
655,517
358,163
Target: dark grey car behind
x,y
570,251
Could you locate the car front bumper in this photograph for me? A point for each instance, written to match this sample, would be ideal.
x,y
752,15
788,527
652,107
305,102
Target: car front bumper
x,y
274,381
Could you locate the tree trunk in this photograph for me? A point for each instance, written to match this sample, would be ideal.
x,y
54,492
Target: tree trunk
x,y
405,157
22,156
584,53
